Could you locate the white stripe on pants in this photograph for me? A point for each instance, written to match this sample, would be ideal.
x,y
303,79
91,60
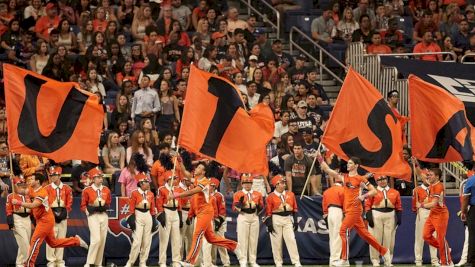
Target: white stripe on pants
x,y
223,252
421,219
22,233
171,230
463,258
142,237
98,224
55,255
186,234
383,231
335,217
283,227
247,236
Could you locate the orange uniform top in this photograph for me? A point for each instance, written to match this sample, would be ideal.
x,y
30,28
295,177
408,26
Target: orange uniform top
x,y
220,204
95,196
280,202
437,191
211,207
159,172
333,197
144,200
42,212
65,193
185,202
352,185
162,198
384,198
10,208
251,199
419,194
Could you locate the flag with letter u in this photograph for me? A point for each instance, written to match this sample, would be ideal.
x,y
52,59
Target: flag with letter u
x,y
50,118
215,124
440,130
362,125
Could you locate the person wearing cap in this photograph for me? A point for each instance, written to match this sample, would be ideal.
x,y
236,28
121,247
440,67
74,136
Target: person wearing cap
x,y
219,41
169,217
353,208
384,214
297,72
281,221
304,121
45,24
332,205
141,220
95,201
18,219
252,66
284,60
43,215
421,195
204,215
297,168
248,203
470,15
185,203
60,198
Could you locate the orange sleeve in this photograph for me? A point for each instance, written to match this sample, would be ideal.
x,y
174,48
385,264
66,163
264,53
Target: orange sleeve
x,y
236,197
191,212
325,201
132,202
294,203
68,192
213,201
369,203
84,199
153,208
9,205
108,197
261,200
438,190
25,166
398,204
269,206
160,200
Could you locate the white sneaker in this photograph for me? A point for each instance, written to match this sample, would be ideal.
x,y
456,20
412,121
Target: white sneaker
x,y
461,263
255,265
418,263
297,265
128,265
342,263
185,264
387,259
242,264
82,243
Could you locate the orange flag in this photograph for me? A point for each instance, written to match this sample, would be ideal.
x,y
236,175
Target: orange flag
x,y
50,118
363,125
440,130
216,125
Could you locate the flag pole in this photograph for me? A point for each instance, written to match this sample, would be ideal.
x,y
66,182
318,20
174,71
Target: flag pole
x,y
174,163
11,166
310,172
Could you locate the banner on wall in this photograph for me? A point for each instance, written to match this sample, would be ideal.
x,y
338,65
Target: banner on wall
x,y
312,236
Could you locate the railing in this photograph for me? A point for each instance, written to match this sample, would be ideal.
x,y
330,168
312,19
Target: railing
x,y
469,55
293,33
452,54
265,19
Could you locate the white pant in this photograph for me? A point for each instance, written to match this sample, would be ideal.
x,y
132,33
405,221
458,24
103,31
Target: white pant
x,y
170,231
186,234
421,219
335,217
55,255
22,233
463,258
142,237
223,252
384,231
247,236
98,224
283,227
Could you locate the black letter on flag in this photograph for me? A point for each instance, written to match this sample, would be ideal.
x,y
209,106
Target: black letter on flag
x,y
228,103
28,129
377,124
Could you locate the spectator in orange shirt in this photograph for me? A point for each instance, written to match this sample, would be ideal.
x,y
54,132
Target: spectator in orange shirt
x,y
377,47
426,46
47,23
226,69
99,23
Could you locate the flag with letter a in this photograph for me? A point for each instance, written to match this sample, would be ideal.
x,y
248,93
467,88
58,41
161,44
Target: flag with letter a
x,y
440,130
363,125
50,118
215,124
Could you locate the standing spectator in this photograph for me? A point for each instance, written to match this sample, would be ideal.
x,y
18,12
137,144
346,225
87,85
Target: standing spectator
x,y
347,25
169,108
297,168
364,9
381,23
460,38
364,33
425,25
251,30
146,102
323,27
182,13
234,22
45,24
376,47
135,167
428,45
165,23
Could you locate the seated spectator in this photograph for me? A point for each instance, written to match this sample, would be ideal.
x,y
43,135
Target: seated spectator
x,y
238,80
152,68
347,25
226,68
121,111
364,33
251,30
234,22
282,126
252,95
203,31
184,40
219,40
173,50
302,91
460,38
138,145
241,44
208,59
271,72
45,24
113,154
40,58
109,10
199,13
470,14
316,88
94,83
151,135
284,60
428,45
31,14
100,22
381,21
437,13
425,25
376,47
471,48
285,5
67,37
263,86
187,58
165,23
447,46
323,27
126,73
153,43
392,36
85,36
297,72
364,9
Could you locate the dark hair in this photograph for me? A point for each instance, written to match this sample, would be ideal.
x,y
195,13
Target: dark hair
x,y
208,51
437,172
163,145
40,177
356,160
389,94
298,143
362,17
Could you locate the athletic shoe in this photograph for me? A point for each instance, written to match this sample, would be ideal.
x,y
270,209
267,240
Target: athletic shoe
x,y
185,264
419,264
298,265
255,265
461,263
387,259
341,263
82,243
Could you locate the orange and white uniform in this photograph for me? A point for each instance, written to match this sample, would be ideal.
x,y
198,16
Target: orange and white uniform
x,y
203,226
281,207
142,205
332,205
160,174
187,229
353,208
171,230
248,222
95,202
437,222
383,206
19,218
44,229
60,198
421,194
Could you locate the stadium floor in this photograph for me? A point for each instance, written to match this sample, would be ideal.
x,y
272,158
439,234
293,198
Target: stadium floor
x,y
395,265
